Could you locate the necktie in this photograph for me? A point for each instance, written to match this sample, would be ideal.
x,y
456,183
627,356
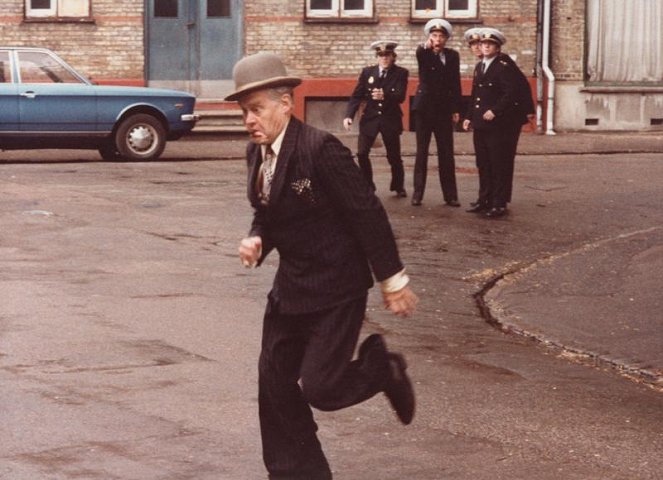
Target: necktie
x,y
483,67
267,175
383,74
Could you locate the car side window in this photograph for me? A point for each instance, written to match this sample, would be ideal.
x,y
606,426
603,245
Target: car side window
x,y
5,68
39,67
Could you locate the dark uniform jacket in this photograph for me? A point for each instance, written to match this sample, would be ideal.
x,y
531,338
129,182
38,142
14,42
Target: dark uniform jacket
x,y
500,89
329,229
439,84
379,115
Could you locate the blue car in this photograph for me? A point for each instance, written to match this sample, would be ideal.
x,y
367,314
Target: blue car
x,y
44,103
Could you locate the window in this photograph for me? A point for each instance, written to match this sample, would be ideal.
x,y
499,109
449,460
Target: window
x,y
39,67
218,8
165,8
57,8
444,8
624,42
5,68
339,9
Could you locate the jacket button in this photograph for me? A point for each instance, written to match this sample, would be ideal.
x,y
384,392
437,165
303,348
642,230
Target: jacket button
x,y
379,104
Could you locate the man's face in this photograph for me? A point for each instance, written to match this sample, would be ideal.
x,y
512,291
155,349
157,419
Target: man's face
x,y
437,40
386,60
265,116
489,49
475,47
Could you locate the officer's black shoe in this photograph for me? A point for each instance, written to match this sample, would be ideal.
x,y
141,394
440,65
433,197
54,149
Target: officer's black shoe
x,y
496,212
453,203
401,193
416,199
476,207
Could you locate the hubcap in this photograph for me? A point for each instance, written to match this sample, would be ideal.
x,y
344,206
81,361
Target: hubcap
x,y
142,138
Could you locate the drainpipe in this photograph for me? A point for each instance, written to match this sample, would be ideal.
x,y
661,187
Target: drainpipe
x,y
538,70
546,69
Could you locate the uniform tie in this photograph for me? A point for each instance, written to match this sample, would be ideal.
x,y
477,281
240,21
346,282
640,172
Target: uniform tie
x,y
383,74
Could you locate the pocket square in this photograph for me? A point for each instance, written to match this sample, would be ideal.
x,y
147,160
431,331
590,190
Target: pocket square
x,y
303,188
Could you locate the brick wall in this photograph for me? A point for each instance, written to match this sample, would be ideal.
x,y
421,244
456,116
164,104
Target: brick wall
x,y
110,47
342,49
568,39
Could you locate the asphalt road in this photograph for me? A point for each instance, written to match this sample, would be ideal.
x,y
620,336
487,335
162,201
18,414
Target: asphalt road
x,y
129,332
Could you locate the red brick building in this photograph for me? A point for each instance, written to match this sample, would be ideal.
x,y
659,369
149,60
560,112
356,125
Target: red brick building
x,y
193,44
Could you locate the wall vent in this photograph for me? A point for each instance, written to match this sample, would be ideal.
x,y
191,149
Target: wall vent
x,y
657,121
591,121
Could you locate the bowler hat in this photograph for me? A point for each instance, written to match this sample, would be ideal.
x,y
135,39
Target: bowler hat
x,y
260,71
438,24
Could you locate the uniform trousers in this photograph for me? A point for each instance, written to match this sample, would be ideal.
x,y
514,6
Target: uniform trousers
x,y
306,360
441,127
495,151
392,143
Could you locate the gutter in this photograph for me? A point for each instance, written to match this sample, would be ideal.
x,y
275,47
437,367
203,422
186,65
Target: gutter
x,y
546,69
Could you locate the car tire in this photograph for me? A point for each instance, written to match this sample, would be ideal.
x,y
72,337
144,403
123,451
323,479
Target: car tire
x,y
109,152
140,137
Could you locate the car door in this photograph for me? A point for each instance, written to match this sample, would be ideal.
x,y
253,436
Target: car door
x,y
52,98
8,94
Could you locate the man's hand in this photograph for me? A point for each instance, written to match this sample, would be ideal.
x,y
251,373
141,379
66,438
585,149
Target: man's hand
x,y
466,125
455,117
347,123
489,115
401,302
250,250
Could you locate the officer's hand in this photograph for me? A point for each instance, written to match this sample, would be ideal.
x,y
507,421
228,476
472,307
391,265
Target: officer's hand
x,y
466,125
455,117
347,123
489,115
250,250
377,94
402,302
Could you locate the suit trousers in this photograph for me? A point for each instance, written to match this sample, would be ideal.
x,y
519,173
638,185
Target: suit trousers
x,y
306,360
392,143
441,127
494,148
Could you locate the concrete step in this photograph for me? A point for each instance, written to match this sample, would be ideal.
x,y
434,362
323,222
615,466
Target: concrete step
x,y
219,121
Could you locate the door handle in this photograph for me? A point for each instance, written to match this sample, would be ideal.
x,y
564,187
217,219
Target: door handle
x,y
191,24
29,94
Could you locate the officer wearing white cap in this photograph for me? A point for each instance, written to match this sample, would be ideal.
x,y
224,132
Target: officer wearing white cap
x,y
436,106
496,115
473,39
381,88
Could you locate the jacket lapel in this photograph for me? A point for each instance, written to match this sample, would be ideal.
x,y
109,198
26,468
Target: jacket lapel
x,y
255,162
285,154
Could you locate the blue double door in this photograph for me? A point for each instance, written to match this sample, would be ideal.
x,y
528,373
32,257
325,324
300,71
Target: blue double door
x,y
193,44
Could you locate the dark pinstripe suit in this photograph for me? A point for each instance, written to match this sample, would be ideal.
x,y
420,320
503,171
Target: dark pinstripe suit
x,y
330,231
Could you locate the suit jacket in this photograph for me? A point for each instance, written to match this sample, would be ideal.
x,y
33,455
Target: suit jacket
x,y
498,89
439,84
328,227
379,115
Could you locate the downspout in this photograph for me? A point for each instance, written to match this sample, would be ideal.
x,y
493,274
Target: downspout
x,y
539,71
550,110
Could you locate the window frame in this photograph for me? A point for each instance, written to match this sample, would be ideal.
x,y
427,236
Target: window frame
x,y
338,13
442,10
53,11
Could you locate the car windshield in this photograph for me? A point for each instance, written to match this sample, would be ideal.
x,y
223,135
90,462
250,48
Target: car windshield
x,y
39,67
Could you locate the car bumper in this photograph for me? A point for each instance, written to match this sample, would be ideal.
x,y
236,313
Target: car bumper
x,y
190,117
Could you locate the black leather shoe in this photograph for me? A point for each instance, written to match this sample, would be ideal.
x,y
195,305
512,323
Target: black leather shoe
x,y
401,193
399,389
416,199
453,203
476,207
496,212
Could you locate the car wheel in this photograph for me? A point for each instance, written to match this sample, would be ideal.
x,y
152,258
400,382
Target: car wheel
x,y
109,152
140,137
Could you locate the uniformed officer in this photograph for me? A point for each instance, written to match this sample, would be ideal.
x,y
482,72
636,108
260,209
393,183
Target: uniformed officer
x,y
436,108
496,115
473,39
380,89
